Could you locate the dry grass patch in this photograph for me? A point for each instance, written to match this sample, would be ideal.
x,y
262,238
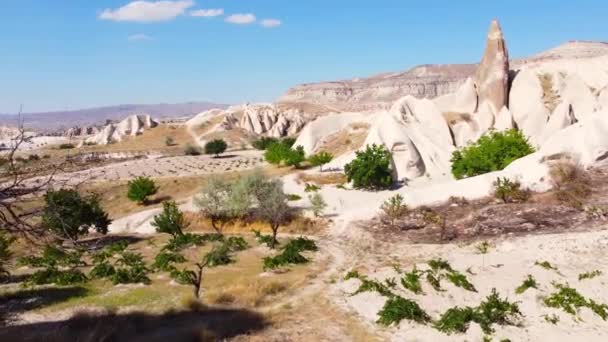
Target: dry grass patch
x,y
571,182
454,118
550,96
322,178
346,140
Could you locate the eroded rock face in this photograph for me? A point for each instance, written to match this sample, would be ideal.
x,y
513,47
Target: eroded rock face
x,y
492,76
114,132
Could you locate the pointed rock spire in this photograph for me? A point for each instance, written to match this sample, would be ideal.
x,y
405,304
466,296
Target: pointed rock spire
x,y
492,77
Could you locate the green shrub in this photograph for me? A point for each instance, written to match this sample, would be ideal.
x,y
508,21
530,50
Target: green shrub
x,y
289,142
320,159
216,147
290,254
495,310
170,220
140,188
293,197
411,281
165,259
51,260
570,300
218,256
492,152
130,269
553,318
265,239
370,169
309,187
317,204
236,244
460,280
439,265
56,276
352,274
434,280
103,269
509,191
373,286
528,283
264,142
282,154
181,242
68,214
191,150
397,309
483,247
546,265
394,208
302,244
455,320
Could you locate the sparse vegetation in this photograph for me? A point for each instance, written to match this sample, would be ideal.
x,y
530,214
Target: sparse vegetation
x,y
492,152
308,187
264,142
373,286
317,204
140,188
570,300
293,197
397,309
58,267
370,169
191,150
170,221
571,183
546,265
455,320
69,215
411,281
291,254
589,275
282,154
394,208
483,247
509,191
320,159
460,280
223,201
216,147
553,318
528,283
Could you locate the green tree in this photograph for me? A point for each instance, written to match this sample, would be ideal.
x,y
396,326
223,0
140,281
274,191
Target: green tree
x,y
216,147
394,208
492,152
140,188
272,206
69,215
317,204
282,154
171,220
370,169
222,202
320,159
264,142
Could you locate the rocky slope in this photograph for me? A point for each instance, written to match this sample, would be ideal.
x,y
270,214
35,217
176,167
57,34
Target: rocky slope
x,y
114,132
426,81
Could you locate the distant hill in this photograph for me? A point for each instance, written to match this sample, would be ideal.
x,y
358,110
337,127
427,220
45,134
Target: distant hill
x,y
52,121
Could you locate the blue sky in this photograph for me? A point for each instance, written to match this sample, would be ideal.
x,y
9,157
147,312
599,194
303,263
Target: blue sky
x,y
69,54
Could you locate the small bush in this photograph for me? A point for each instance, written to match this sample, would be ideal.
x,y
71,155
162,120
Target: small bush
x,y
434,280
302,244
140,188
181,242
130,269
308,187
219,256
460,280
191,150
320,159
352,274
57,277
483,247
291,253
394,208
236,244
570,300
455,320
492,152
264,142
546,265
373,286
103,269
528,283
495,310
282,154
51,260
216,147
509,191
293,197
370,169
411,281
165,259
170,220
265,239
589,275
317,204
439,265
397,309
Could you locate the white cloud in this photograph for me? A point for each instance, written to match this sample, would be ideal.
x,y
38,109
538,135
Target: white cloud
x,y
138,37
241,19
270,23
207,13
147,11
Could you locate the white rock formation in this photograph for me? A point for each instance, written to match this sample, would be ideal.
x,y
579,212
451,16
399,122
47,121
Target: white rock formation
x,y
114,132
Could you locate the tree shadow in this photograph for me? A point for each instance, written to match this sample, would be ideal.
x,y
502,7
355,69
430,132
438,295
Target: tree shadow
x,y
158,200
14,303
205,324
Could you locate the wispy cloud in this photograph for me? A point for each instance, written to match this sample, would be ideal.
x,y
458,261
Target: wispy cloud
x,y
241,18
147,11
207,13
139,37
270,23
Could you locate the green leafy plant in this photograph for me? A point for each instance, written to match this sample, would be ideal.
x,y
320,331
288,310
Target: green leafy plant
x,y
553,318
546,265
265,239
181,242
353,274
236,244
264,142
589,275
130,269
496,310
140,188
460,280
373,286
293,197
492,152
69,215
320,159
216,147
509,191
58,267
308,187
483,247
290,254
528,283
394,208
455,320
165,259
397,309
570,300
370,169
170,220
283,154
439,265
317,204
411,281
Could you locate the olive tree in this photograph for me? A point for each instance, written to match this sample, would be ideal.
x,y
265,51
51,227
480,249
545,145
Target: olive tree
x,y
216,147
272,206
222,202
394,208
